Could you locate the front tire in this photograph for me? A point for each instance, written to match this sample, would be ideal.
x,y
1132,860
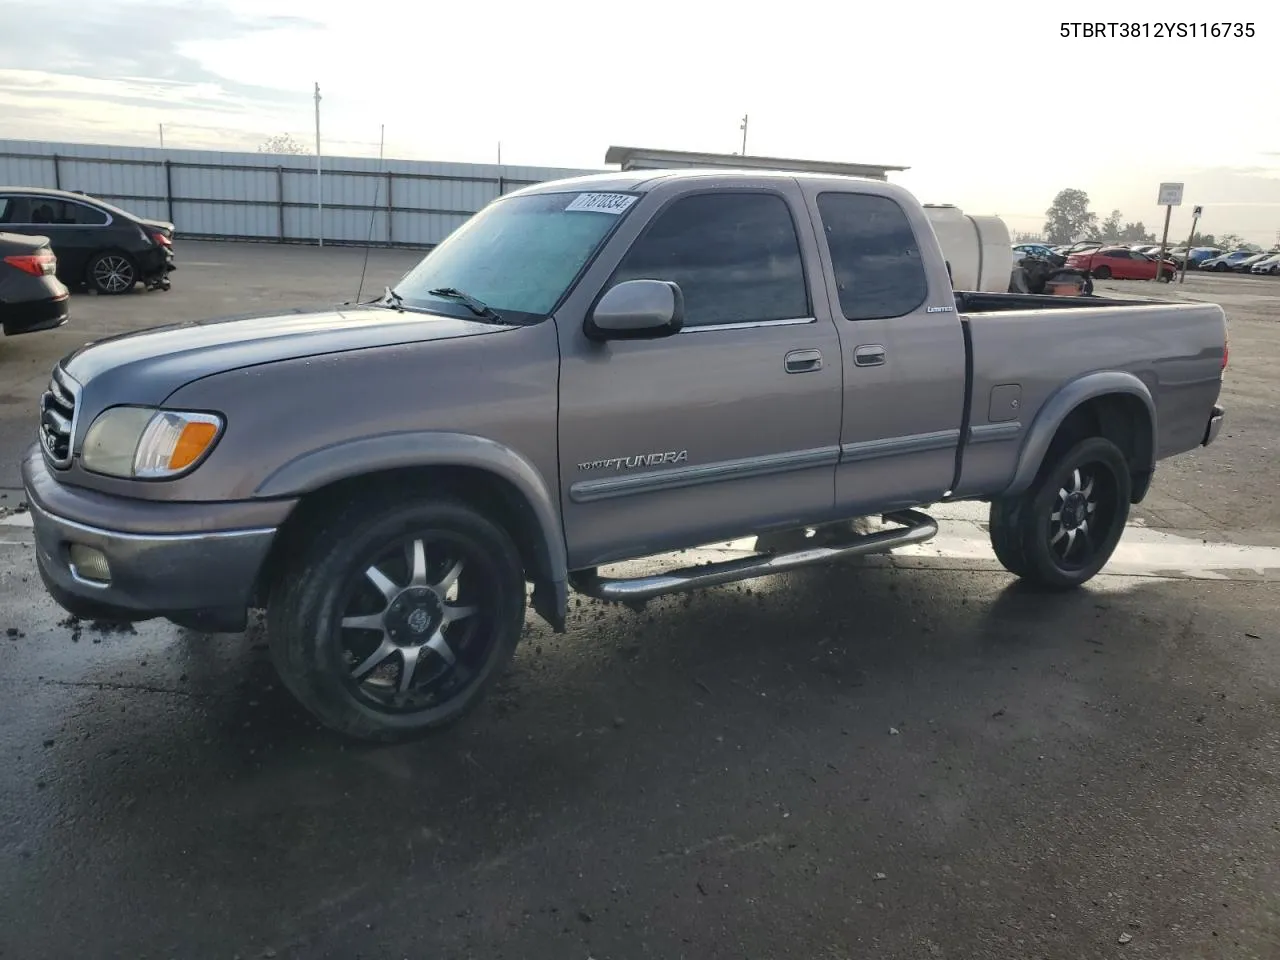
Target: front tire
x,y
1064,528
390,621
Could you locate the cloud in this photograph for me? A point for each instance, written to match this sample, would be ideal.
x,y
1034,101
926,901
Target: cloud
x,y
130,39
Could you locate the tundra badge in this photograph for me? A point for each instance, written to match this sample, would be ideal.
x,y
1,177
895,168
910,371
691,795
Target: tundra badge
x,y
639,460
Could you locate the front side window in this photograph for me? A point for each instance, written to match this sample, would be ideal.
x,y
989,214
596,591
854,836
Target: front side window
x,y
735,256
17,210
518,256
875,255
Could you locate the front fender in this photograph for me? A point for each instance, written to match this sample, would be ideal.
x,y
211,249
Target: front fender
x,y
319,468
1060,405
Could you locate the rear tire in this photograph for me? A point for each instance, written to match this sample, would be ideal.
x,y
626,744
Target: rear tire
x,y
364,627
1102,273
112,273
1064,528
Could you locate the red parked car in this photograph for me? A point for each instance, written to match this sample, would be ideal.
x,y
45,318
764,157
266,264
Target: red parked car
x,y
1121,263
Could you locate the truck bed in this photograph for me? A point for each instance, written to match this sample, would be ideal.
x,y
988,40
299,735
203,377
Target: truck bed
x,y
1019,358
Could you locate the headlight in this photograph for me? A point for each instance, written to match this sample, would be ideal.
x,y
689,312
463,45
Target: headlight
x,y
146,443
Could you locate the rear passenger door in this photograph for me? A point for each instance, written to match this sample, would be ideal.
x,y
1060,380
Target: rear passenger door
x,y
727,425
79,231
902,349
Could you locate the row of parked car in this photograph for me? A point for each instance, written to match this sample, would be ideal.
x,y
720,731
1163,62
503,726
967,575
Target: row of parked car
x,y
1137,261
54,239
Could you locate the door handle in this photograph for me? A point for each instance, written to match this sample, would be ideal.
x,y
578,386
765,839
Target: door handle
x,y
869,355
803,361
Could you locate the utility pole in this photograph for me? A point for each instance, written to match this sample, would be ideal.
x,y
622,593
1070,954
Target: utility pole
x,y
162,136
1186,259
743,127
319,184
499,153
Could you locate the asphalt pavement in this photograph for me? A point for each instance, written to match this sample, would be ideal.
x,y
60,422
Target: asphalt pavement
x,y
901,757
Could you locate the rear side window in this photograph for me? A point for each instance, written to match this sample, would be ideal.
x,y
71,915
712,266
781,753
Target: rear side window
x,y
875,254
84,215
6,207
736,258
51,210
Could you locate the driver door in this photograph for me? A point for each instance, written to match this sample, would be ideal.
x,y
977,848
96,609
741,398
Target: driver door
x,y
730,425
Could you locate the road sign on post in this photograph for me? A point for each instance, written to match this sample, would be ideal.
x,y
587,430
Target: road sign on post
x,y
1170,197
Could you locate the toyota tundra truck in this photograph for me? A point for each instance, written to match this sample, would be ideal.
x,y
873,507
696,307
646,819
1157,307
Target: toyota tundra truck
x,y
591,371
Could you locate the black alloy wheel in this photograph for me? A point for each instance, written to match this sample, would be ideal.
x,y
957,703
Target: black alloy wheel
x,y
1062,531
395,620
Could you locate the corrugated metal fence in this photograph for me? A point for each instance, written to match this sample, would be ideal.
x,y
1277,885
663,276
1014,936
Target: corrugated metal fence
x,y
261,196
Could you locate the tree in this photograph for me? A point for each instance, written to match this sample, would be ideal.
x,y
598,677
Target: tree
x,y
1069,218
1230,241
1025,236
282,143
1110,232
1136,233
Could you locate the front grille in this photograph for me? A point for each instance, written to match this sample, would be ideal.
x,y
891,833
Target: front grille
x,y
57,418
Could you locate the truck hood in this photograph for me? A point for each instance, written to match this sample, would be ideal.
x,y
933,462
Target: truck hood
x,y
147,365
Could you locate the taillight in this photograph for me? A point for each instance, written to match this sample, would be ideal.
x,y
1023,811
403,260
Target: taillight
x,y
36,264
162,240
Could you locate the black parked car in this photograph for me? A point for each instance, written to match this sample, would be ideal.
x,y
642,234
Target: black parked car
x,y
97,244
31,296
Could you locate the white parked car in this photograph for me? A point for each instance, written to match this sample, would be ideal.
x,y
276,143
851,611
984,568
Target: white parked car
x,y
1271,265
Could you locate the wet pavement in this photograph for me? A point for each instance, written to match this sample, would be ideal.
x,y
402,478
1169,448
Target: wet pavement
x,y
909,757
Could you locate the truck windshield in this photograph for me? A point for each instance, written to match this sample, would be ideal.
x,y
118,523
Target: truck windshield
x,y
517,256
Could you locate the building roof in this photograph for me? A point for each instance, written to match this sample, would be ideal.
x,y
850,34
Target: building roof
x,y
643,158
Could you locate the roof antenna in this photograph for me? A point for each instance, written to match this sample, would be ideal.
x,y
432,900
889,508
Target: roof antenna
x,y
377,187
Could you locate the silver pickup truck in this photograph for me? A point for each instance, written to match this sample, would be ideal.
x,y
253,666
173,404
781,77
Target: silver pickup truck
x,y
591,371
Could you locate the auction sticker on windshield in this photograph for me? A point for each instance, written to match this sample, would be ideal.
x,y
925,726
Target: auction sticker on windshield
x,y
615,203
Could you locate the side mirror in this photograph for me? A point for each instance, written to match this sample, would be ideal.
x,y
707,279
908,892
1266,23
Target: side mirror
x,y
637,310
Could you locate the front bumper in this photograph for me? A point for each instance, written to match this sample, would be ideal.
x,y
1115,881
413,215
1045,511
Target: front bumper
x,y
33,315
1214,426
199,578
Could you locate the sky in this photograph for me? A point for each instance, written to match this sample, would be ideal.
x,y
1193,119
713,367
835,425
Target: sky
x,y
987,103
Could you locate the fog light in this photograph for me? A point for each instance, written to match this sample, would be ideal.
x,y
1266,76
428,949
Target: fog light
x,y
89,563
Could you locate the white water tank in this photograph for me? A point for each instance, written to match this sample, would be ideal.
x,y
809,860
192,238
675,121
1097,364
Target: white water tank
x,y
979,249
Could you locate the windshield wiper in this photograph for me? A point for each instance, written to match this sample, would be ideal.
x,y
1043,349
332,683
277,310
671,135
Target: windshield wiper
x,y
475,306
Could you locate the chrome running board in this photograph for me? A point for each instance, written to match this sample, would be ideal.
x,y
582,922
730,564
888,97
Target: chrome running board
x,y
915,527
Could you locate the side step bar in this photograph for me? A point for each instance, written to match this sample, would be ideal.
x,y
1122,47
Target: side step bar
x,y
916,528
